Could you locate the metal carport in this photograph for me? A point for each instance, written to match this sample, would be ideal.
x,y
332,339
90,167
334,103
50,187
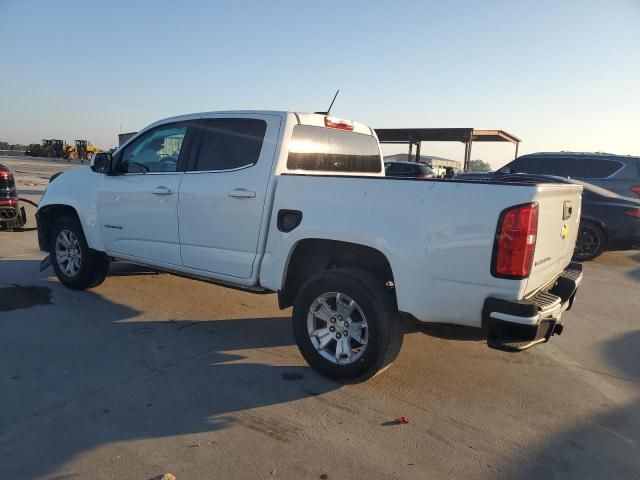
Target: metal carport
x,y
415,136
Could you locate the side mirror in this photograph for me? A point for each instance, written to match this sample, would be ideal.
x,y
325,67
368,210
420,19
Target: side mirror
x,y
102,163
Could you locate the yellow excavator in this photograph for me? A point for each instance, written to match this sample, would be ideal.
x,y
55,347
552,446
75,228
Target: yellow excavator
x,y
82,150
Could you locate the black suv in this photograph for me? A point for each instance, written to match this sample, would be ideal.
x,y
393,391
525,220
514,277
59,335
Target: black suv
x,y
618,173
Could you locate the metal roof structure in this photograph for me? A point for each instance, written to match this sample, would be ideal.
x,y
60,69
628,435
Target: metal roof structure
x,y
464,135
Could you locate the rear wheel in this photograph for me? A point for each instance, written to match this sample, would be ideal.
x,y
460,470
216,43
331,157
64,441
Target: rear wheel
x,y
591,242
346,324
76,266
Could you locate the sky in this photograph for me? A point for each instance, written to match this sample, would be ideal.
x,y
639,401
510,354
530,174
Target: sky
x,y
559,74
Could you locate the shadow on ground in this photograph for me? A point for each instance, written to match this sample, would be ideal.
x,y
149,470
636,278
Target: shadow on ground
x,y
84,372
635,273
446,331
605,446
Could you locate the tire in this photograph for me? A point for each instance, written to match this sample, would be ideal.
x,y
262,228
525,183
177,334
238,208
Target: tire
x,y
89,270
591,242
89,156
375,332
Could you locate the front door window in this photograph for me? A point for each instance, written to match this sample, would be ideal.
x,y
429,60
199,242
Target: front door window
x,y
156,151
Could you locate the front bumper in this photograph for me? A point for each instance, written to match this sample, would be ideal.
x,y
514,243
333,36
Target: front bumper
x,y
517,325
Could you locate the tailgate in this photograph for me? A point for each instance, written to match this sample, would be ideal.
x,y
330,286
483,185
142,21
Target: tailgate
x,y
559,207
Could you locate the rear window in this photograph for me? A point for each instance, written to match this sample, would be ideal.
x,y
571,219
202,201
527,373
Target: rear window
x,y
331,150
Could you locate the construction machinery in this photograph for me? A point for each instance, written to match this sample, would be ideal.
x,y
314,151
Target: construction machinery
x,y
56,148
52,148
82,150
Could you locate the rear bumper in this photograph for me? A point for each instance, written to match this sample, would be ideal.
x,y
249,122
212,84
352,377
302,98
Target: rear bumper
x,y
12,216
518,325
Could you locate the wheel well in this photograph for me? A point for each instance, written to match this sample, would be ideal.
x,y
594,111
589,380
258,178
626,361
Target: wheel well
x,y
47,216
312,256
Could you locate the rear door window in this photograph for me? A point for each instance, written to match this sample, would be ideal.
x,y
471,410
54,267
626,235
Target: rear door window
x,y
331,150
229,143
542,166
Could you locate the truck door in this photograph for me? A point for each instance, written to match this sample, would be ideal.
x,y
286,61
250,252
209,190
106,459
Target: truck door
x,y
222,196
138,206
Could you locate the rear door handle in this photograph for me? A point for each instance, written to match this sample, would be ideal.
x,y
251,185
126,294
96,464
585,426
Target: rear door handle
x,y
162,190
242,193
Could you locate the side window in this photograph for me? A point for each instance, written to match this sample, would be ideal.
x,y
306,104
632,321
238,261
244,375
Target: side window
x,y
597,168
155,151
230,143
544,166
576,167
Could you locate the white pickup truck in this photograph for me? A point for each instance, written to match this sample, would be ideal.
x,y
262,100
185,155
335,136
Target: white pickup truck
x,y
298,204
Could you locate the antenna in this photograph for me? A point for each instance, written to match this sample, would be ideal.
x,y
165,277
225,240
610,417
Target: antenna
x,y
329,109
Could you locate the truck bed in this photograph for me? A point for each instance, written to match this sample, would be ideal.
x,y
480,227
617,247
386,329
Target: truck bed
x,y
438,235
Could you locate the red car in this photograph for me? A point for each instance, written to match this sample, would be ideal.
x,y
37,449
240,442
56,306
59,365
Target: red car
x,y
12,216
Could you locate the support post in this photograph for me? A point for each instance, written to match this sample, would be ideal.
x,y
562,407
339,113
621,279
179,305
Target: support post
x,y
418,151
410,150
467,153
517,145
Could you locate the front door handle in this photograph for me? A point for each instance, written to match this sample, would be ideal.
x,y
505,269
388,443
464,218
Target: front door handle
x,y
242,193
162,190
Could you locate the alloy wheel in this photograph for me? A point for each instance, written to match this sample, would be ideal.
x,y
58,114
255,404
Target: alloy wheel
x,y
337,328
68,253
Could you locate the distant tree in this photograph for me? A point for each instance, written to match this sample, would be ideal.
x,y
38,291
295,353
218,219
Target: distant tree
x,y
479,166
12,146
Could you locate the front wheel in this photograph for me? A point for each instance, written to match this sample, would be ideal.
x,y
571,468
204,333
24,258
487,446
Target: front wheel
x,y
346,325
591,242
76,266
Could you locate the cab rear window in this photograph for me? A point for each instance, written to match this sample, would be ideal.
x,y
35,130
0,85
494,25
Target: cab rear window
x,y
332,150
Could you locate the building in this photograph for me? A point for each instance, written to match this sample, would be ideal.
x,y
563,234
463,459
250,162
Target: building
x,y
123,137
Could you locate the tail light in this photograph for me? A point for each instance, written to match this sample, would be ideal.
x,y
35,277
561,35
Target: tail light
x,y
635,212
636,189
338,123
515,242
